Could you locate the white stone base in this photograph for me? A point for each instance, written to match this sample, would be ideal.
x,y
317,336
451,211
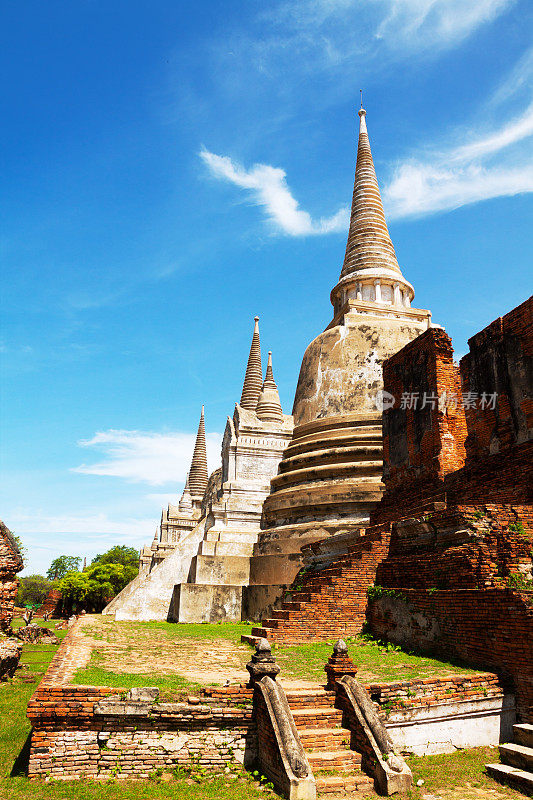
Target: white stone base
x,y
205,603
447,727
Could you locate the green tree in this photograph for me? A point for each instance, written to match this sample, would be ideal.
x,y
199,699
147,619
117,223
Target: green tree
x,y
74,587
61,565
119,554
96,585
33,590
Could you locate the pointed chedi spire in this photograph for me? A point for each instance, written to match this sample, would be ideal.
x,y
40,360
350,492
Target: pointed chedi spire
x,y
198,474
185,502
369,244
269,406
370,259
253,380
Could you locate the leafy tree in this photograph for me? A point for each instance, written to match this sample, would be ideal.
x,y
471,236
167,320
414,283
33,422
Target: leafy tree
x,y
61,565
96,585
33,590
119,554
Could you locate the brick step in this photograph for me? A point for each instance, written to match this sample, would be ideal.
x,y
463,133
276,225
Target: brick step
x,y
259,633
339,759
523,734
324,738
343,785
517,755
512,776
319,717
304,698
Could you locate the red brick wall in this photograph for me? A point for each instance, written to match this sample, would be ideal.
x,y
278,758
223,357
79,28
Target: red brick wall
x,y
73,738
52,604
500,361
467,547
488,627
422,444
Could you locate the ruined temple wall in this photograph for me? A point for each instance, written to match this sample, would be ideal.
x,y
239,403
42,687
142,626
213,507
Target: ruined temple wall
x,y
477,451
466,547
423,441
10,563
500,363
490,628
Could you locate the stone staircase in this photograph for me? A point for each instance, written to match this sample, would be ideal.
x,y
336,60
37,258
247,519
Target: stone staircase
x,y
516,767
331,601
337,768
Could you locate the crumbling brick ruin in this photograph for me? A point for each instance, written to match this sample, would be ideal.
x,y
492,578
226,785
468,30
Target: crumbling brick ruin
x,y
10,563
449,549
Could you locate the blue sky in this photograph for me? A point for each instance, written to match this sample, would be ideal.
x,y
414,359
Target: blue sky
x,y
171,169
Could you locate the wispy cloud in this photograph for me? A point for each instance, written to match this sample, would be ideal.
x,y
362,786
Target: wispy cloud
x,y
267,187
323,35
425,24
467,174
146,457
92,527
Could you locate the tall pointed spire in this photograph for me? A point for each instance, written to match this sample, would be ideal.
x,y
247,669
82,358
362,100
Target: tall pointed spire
x,y
198,475
253,380
186,500
369,244
269,406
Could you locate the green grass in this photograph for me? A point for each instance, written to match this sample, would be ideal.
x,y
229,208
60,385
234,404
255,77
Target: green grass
x,y
170,686
15,729
446,774
376,663
459,771
175,630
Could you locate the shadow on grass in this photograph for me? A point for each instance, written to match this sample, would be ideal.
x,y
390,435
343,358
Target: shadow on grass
x,y
20,767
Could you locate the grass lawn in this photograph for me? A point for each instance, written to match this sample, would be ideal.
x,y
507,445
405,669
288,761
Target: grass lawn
x,y
15,729
377,663
459,776
180,657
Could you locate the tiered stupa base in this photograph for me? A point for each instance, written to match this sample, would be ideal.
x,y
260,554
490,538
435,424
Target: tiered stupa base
x,y
328,482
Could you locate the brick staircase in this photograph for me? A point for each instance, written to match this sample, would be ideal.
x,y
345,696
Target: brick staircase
x,y
331,602
516,768
336,768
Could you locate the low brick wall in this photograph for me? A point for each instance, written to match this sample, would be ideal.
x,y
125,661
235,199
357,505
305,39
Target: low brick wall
x,y
427,691
488,627
92,731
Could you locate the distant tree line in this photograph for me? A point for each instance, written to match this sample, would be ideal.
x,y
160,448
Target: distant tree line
x,y
90,588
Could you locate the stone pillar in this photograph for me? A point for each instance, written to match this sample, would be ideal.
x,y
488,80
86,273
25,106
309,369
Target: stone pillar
x,y
339,664
262,663
397,300
377,290
358,292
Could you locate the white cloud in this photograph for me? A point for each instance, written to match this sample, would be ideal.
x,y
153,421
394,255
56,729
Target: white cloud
x,y
327,34
465,174
268,188
147,457
425,24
